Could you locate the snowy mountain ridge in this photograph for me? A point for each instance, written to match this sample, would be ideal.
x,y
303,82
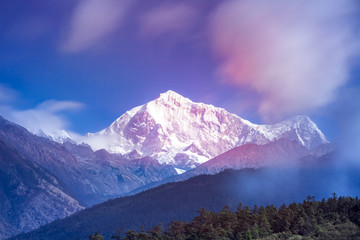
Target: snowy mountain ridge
x,y
174,130
60,136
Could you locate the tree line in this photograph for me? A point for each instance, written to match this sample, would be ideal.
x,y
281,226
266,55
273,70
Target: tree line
x,y
334,218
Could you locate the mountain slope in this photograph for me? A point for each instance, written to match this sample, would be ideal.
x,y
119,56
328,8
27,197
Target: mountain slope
x,y
58,175
93,176
29,195
175,130
282,152
179,201
112,175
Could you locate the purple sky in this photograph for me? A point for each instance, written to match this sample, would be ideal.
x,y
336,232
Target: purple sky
x,y
78,65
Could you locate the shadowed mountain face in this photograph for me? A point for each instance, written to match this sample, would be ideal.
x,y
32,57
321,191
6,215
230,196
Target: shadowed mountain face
x,y
29,195
93,176
179,201
42,180
111,175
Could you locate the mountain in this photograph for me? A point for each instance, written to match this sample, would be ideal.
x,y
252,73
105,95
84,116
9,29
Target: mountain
x,y
93,176
280,152
112,175
51,156
174,130
149,145
29,195
42,180
180,200
60,136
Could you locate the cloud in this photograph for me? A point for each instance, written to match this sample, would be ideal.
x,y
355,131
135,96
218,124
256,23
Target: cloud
x,y
54,106
46,117
7,94
92,21
174,18
295,54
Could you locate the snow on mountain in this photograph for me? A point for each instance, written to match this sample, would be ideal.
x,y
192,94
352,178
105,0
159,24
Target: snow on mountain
x,y
180,171
174,130
60,136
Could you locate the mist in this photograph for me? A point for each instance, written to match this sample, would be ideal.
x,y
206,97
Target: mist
x,y
277,186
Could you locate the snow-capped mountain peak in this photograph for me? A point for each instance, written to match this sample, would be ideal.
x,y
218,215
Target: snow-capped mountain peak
x,y
172,96
175,130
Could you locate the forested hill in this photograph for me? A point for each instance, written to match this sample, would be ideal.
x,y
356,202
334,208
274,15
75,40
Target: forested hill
x,y
335,218
181,200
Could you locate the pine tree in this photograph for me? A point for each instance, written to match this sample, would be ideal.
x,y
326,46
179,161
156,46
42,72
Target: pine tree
x,y
264,226
156,232
96,236
248,235
131,235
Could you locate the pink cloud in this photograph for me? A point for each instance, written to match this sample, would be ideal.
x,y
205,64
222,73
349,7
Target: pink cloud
x,y
92,21
295,54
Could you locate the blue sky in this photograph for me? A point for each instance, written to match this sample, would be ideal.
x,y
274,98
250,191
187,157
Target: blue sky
x,y
81,64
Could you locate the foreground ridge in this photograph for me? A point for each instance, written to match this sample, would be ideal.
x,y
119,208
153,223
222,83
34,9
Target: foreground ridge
x,y
334,218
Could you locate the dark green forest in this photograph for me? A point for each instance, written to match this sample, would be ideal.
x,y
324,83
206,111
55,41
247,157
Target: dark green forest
x,y
334,218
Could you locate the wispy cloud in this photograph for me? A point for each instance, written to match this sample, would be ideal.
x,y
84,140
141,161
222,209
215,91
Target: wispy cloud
x,y
170,18
46,117
295,54
54,106
92,21
7,94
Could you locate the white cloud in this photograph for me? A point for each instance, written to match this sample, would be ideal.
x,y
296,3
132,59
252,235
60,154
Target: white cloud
x,y
7,94
92,21
295,54
57,106
47,117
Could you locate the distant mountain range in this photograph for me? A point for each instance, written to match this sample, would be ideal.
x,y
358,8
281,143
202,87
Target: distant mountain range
x,y
146,147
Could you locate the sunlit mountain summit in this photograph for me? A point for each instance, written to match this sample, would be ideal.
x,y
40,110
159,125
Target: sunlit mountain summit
x,y
177,131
